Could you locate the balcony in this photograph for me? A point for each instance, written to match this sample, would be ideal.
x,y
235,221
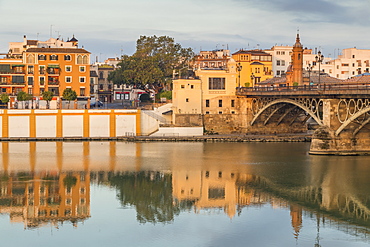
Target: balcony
x,y
53,71
53,82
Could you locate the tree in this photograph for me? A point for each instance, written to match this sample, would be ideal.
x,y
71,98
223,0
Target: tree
x,y
69,94
153,64
23,96
4,98
48,96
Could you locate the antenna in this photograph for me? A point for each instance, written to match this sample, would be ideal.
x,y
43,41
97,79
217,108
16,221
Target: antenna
x,y
51,30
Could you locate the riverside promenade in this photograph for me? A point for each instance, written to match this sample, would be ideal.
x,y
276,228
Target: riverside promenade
x,y
166,138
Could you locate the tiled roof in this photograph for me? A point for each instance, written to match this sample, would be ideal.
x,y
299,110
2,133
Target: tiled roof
x,y
32,42
324,79
274,80
253,52
57,50
358,79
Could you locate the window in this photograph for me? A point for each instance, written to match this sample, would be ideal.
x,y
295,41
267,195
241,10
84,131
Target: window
x,y
82,79
353,56
68,79
283,53
82,68
30,91
79,59
192,86
232,103
30,80
30,58
30,69
207,112
278,53
216,83
82,91
282,62
42,57
68,68
220,103
182,86
42,80
207,102
278,72
67,58
42,90
42,69
53,57
187,99
278,62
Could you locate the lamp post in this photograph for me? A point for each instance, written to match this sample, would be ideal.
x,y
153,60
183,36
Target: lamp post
x,y
319,58
252,79
309,69
239,68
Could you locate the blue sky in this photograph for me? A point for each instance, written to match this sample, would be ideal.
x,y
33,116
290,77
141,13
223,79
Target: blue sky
x,y
110,28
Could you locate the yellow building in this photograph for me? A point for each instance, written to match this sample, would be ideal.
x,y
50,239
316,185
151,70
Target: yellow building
x,y
213,92
253,66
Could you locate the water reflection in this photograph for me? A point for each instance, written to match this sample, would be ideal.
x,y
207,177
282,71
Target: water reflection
x,y
49,183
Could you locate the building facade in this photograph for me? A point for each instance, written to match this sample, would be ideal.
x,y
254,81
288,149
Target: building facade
x,y
253,66
35,70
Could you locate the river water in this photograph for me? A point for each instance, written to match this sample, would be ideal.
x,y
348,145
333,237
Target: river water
x,y
181,194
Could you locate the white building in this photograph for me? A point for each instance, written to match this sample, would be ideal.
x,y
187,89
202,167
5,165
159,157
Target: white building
x,y
352,62
281,59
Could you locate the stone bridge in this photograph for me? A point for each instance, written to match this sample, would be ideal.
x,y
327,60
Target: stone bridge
x,y
339,115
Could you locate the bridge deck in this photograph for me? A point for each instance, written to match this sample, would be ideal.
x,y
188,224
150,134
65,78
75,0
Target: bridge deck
x,y
323,91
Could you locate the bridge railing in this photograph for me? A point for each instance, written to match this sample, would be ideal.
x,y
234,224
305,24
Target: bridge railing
x,y
322,87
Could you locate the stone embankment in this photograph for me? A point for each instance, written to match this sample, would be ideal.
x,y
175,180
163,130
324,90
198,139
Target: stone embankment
x,y
207,138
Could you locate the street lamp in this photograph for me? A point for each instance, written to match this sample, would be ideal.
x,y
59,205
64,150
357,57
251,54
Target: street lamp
x,y
319,58
239,68
252,79
309,69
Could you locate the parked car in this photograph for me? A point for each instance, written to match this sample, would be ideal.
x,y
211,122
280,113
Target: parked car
x,y
96,104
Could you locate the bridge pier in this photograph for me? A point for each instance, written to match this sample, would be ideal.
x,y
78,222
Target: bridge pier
x,y
342,131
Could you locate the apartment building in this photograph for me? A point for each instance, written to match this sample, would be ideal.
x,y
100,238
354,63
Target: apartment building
x,y
34,67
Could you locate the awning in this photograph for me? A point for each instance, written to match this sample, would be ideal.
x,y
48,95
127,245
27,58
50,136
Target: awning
x,y
17,65
53,66
167,112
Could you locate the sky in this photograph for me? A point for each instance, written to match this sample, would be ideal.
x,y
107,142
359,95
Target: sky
x,y
110,28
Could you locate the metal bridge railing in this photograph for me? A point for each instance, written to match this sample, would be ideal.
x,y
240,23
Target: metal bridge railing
x,y
324,87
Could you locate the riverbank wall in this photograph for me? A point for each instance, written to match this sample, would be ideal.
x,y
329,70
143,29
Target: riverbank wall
x,y
208,138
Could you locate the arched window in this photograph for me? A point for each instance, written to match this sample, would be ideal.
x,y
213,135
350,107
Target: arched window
x,y
85,59
30,58
67,58
299,56
79,59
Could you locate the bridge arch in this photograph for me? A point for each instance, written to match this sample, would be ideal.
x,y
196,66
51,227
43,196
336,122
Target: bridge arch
x,y
287,101
351,119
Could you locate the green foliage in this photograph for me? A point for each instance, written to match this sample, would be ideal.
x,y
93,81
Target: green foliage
x,y
165,94
70,95
23,96
48,96
69,181
295,84
152,64
4,98
149,193
247,84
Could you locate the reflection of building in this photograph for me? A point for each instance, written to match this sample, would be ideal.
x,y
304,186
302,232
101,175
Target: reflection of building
x,y
45,197
215,189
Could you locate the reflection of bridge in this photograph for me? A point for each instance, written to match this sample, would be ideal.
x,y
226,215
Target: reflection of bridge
x,y
340,110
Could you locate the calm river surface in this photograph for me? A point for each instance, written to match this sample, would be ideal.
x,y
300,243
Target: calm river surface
x,y
181,194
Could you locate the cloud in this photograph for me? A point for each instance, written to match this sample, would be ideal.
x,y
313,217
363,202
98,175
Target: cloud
x,y
314,11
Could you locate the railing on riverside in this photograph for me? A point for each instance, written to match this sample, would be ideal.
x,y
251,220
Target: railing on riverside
x,y
363,87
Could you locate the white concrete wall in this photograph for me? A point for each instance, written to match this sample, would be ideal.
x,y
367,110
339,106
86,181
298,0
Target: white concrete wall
x,y
99,126
125,124
20,126
72,123
148,124
46,126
